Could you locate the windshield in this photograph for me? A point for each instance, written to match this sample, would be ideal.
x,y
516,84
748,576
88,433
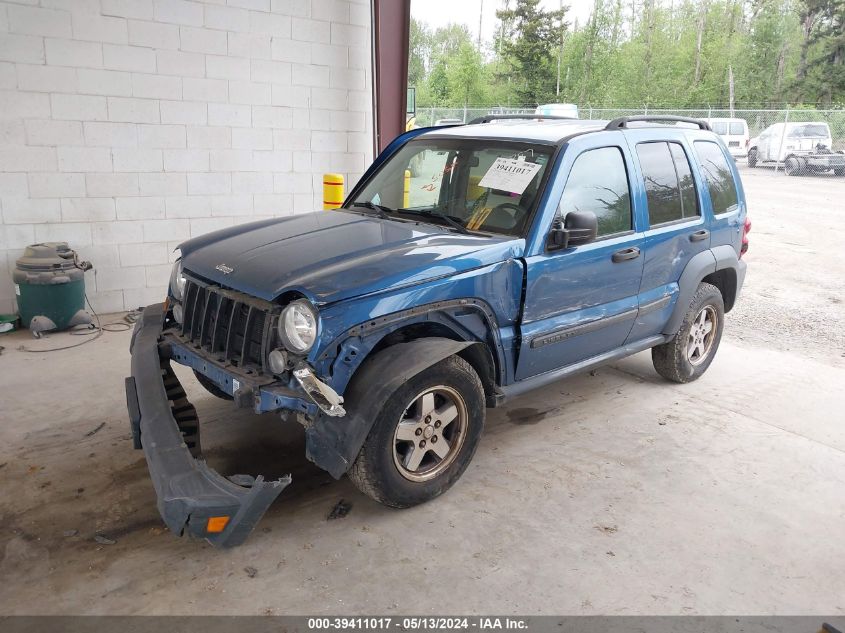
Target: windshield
x,y
465,184
812,130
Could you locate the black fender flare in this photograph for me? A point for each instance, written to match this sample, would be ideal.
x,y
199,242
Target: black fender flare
x,y
701,265
333,443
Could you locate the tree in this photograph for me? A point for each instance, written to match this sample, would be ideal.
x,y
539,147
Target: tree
x,y
531,37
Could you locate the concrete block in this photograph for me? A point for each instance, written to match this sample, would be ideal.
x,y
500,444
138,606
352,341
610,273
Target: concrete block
x,y
8,77
226,18
306,30
330,55
249,93
74,234
14,185
104,82
219,67
255,182
184,112
140,208
272,117
56,185
15,104
186,160
107,302
195,89
162,184
240,205
275,204
180,63
229,115
98,28
37,21
209,137
88,210
106,134
178,12
187,207
138,9
150,254
251,45
120,278
231,160
117,232
329,98
17,236
292,139
310,75
275,160
36,78
291,182
201,226
270,72
127,109
27,49
110,185
349,35
348,78
156,86
299,8
201,40
209,184
286,50
137,160
252,138
164,230
158,275
30,211
331,10
291,96
271,24
83,159
79,107
161,136
134,298
154,35
348,121
131,58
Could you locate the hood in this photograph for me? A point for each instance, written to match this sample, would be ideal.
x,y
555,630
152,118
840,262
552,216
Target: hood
x,y
331,256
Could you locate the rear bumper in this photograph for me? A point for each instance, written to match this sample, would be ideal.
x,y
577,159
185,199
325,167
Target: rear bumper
x,y
189,492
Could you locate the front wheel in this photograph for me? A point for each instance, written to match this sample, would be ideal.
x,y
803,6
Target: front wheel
x,y
424,436
686,357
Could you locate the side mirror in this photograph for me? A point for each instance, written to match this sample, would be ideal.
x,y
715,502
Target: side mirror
x,y
579,227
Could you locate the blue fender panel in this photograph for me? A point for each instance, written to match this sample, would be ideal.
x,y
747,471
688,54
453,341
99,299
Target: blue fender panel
x,y
334,443
697,269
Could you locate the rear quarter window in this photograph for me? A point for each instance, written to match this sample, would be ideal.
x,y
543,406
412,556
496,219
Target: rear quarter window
x,y
718,176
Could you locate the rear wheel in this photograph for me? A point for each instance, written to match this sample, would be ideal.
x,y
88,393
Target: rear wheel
x,y
424,436
792,166
839,171
689,354
752,158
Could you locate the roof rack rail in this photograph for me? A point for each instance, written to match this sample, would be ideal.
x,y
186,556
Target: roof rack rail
x,y
622,122
487,118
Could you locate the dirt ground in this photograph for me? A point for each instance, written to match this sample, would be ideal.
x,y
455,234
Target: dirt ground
x,y
609,493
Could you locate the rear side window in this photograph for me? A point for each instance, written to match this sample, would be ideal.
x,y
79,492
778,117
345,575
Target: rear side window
x,y
719,127
598,182
670,189
717,175
737,128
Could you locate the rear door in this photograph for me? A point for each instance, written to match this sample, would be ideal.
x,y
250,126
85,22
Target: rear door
x,y
721,190
669,196
582,301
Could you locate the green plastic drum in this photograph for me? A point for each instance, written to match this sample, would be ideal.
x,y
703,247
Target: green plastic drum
x,y
49,288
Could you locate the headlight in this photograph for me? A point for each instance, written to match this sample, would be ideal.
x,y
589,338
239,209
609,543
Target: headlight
x,y
298,326
177,280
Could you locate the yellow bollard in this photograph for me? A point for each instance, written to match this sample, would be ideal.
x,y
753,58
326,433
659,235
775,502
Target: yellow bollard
x,y
406,191
332,191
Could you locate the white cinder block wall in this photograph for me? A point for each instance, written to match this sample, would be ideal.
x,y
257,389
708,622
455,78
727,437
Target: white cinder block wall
x,y
127,126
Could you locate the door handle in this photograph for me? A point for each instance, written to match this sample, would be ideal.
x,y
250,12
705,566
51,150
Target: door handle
x,y
625,254
703,234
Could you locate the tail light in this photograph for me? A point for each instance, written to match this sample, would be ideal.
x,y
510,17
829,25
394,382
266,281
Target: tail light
x,y
746,228
747,143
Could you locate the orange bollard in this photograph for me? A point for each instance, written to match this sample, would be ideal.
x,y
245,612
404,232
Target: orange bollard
x,y
332,191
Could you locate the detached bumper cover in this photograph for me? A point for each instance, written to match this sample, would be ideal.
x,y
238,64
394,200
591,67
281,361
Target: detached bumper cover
x,y
164,423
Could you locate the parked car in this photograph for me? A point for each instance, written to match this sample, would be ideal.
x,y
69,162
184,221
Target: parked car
x,y
735,134
801,147
563,110
531,250
441,122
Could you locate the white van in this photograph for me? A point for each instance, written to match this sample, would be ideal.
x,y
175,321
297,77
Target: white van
x,y
564,110
735,134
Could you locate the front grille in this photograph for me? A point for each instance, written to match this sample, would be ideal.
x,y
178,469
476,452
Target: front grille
x,y
232,327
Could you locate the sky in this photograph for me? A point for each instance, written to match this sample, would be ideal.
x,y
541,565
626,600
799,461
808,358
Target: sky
x,y
437,13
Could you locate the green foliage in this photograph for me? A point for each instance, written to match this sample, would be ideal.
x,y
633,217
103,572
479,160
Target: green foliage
x,y
674,53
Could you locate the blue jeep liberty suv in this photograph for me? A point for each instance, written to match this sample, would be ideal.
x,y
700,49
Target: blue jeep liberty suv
x,y
469,264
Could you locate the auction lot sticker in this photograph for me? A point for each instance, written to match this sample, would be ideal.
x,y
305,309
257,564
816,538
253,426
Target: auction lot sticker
x,y
510,175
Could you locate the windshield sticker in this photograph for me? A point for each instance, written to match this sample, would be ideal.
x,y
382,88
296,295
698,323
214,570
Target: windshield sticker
x,y
511,175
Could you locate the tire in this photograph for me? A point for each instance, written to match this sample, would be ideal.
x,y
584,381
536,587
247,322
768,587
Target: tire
x,y
211,387
752,158
677,360
792,166
384,469
839,171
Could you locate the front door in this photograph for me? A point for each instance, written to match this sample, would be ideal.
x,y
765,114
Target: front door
x,y
582,301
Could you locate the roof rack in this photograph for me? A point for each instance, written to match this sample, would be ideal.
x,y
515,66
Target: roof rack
x,y
487,118
623,121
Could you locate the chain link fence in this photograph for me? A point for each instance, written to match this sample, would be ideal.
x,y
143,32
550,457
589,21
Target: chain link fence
x,y
776,138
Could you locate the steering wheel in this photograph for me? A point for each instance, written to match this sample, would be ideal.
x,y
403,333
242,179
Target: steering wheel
x,y
504,216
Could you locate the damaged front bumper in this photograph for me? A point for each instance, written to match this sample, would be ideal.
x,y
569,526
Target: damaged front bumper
x,y
192,497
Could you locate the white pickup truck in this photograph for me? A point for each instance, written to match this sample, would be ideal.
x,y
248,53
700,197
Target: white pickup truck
x,y
801,147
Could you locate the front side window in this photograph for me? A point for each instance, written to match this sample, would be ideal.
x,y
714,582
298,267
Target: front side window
x,y
598,182
717,175
720,127
670,189
480,185
737,128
